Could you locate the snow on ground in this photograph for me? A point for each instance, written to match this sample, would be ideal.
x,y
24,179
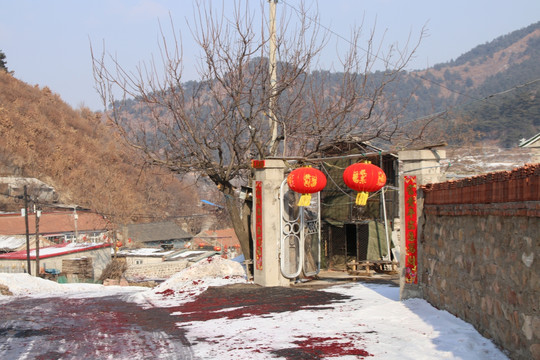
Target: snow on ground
x,y
144,252
373,319
192,281
470,161
26,285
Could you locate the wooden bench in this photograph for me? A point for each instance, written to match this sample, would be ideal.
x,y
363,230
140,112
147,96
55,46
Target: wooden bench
x,y
385,266
364,268
359,268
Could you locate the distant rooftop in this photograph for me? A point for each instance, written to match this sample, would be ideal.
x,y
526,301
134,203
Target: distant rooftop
x,y
52,251
532,142
53,222
156,232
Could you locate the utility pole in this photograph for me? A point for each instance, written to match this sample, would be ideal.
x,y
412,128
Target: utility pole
x,y
38,215
273,76
27,233
75,218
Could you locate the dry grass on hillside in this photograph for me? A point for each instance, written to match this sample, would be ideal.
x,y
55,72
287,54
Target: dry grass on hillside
x,y
72,150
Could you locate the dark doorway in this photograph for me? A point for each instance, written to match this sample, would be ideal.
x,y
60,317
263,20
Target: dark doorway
x,y
361,241
351,240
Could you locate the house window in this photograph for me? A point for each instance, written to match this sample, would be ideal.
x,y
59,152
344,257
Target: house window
x,y
95,237
138,262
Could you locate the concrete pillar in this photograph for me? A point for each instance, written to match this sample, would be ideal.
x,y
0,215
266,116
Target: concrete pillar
x,y
266,266
426,166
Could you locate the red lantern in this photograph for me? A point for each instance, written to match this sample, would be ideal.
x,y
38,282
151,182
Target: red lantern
x,y
306,181
217,248
364,178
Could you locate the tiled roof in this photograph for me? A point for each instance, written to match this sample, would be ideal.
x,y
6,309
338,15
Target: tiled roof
x,y
51,251
10,243
156,232
52,223
224,237
144,252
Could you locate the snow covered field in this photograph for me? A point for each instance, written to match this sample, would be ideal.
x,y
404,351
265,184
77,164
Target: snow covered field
x,y
370,323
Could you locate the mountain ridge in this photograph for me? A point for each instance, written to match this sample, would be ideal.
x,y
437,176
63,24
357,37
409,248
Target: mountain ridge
x,y
510,61
74,151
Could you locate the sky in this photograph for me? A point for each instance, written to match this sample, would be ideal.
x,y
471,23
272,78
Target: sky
x,y
47,43
371,319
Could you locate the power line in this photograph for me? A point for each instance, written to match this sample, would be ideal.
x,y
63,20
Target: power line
x,y
513,88
376,56
438,114
444,112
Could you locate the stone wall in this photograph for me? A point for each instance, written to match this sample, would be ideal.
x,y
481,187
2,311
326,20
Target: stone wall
x,y
155,271
480,261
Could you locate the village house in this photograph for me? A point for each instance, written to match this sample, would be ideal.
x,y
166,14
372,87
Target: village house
x,y
143,256
66,223
78,238
155,264
76,261
166,235
58,226
223,240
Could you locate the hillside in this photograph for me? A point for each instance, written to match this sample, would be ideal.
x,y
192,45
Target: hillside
x,y
484,93
73,151
492,92
489,95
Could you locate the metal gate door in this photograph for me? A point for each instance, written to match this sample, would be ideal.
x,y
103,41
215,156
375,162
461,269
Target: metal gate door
x,y
300,246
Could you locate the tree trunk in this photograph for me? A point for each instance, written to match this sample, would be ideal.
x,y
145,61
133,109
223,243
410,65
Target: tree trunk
x,y
241,224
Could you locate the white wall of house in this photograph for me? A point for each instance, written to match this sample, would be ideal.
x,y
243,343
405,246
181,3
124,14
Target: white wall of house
x,y
100,259
143,260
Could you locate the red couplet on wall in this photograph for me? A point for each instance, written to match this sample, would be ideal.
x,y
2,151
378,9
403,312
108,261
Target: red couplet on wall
x,y
411,231
258,226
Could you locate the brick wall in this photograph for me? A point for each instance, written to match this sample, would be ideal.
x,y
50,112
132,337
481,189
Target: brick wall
x,y
480,255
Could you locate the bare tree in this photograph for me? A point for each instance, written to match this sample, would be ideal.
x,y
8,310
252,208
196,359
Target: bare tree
x,y
214,127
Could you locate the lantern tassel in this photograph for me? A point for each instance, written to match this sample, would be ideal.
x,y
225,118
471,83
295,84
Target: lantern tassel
x,y
361,198
305,200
